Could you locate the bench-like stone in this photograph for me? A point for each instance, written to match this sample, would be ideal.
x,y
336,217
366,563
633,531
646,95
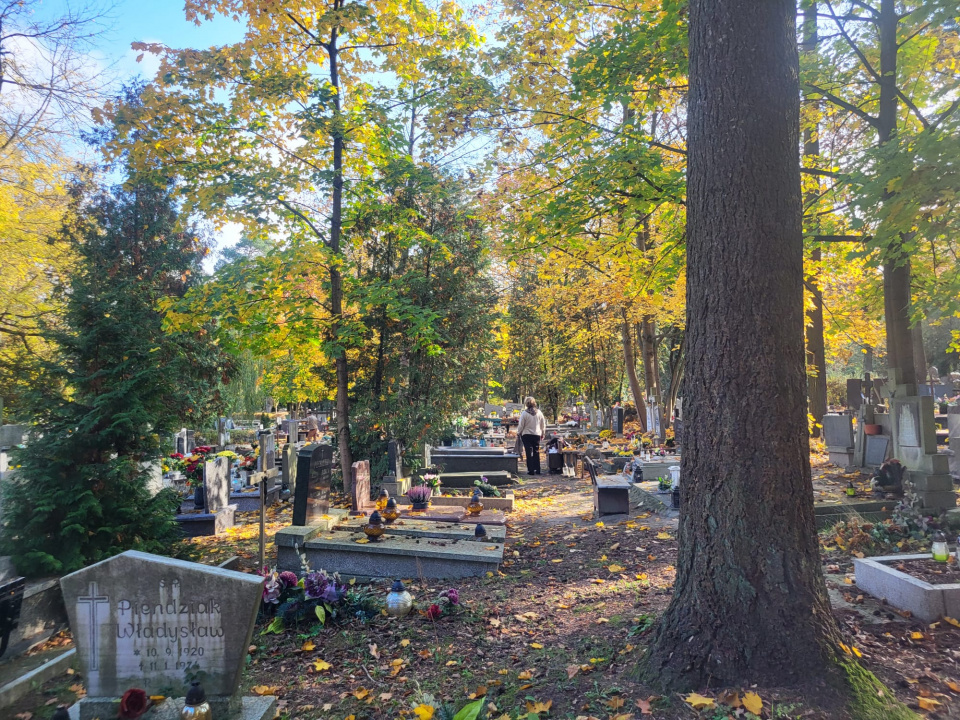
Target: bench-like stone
x,y
611,496
203,524
925,601
428,529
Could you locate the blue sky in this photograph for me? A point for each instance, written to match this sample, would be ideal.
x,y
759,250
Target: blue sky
x,y
159,21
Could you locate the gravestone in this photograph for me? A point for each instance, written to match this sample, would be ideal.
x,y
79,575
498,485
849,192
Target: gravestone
x,y
360,502
395,459
216,484
180,442
288,467
293,430
854,393
616,421
915,446
191,443
877,449
154,476
155,623
223,437
311,500
838,435
268,451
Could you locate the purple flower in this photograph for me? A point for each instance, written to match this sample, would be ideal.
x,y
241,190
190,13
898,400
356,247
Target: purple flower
x,y
288,579
332,593
453,595
419,493
315,584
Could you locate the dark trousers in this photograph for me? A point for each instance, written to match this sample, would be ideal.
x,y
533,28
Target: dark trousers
x,y
531,444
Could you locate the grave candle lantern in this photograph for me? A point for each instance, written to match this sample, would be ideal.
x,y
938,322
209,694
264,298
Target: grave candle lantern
x,y
382,499
390,512
851,490
196,706
399,601
374,529
939,550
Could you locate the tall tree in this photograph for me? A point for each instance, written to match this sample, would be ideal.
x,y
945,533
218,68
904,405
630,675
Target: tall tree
x,y
750,602
116,385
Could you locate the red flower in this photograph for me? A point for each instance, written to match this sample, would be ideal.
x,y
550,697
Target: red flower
x,y
133,704
434,611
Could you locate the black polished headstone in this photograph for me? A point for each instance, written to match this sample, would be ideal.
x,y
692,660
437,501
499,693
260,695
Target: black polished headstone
x,y
854,393
311,499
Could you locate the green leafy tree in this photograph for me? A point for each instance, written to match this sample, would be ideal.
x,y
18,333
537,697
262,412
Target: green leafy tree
x,y
117,385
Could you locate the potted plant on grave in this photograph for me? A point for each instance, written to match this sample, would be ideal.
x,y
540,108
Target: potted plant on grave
x,y
419,496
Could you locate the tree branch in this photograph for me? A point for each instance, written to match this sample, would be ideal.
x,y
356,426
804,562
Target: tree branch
x,y
862,114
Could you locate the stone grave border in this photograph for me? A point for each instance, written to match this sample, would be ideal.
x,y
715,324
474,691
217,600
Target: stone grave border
x,y
927,602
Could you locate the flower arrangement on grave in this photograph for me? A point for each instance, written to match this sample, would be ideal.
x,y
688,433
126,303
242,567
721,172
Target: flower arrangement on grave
x,y
447,603
432,480
419,496
486,489
664,484
174,462
606,434
193,465
249,462
290,600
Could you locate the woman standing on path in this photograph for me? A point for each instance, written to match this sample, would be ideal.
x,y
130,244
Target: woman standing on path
x,y
531,428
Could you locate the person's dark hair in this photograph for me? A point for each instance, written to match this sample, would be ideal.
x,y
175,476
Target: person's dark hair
x,y
637,452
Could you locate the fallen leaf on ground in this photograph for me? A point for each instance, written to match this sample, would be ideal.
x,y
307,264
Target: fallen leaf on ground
x,y
615,568
321,665
928,703
536,646
573,670
424,712
404,642
525,675
360,693
699,702
264,689
308,646
539,707
644,706
753,703
615,703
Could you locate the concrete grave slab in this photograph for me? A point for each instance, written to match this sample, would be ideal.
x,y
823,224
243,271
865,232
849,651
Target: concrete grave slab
x,y
925,601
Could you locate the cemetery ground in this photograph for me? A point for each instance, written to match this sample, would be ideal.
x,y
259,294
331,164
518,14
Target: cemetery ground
x,y
557,633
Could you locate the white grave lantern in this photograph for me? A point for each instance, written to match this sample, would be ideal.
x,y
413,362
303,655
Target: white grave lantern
x,y
674,475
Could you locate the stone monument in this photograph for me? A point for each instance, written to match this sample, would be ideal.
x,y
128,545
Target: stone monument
x,y
360,502
838,436
311,499
154,623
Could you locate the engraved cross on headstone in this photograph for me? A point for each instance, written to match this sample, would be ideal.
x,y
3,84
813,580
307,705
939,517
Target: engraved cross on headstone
x,y
94,600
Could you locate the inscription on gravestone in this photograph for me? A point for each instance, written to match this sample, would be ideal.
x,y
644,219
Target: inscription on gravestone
x,y
311,498
908,426
151,622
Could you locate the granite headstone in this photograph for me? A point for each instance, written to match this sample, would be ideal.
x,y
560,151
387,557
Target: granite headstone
x,y
360,502
268,451
876,450
155,623
311,500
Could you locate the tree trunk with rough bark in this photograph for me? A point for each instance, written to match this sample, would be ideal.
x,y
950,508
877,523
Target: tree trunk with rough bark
x,y
749,602
336,279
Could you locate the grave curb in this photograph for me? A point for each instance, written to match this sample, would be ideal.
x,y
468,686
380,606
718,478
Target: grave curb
x,y
504,503
926,602
23,685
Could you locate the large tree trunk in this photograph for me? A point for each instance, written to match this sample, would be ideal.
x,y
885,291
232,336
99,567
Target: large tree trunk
x,y
896,262
630,360
336,280
749,602
651,365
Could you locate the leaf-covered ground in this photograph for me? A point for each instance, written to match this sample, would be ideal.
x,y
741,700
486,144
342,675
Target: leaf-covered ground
x,y
558,633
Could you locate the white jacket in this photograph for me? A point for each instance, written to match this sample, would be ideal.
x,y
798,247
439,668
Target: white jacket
x,y
532,424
